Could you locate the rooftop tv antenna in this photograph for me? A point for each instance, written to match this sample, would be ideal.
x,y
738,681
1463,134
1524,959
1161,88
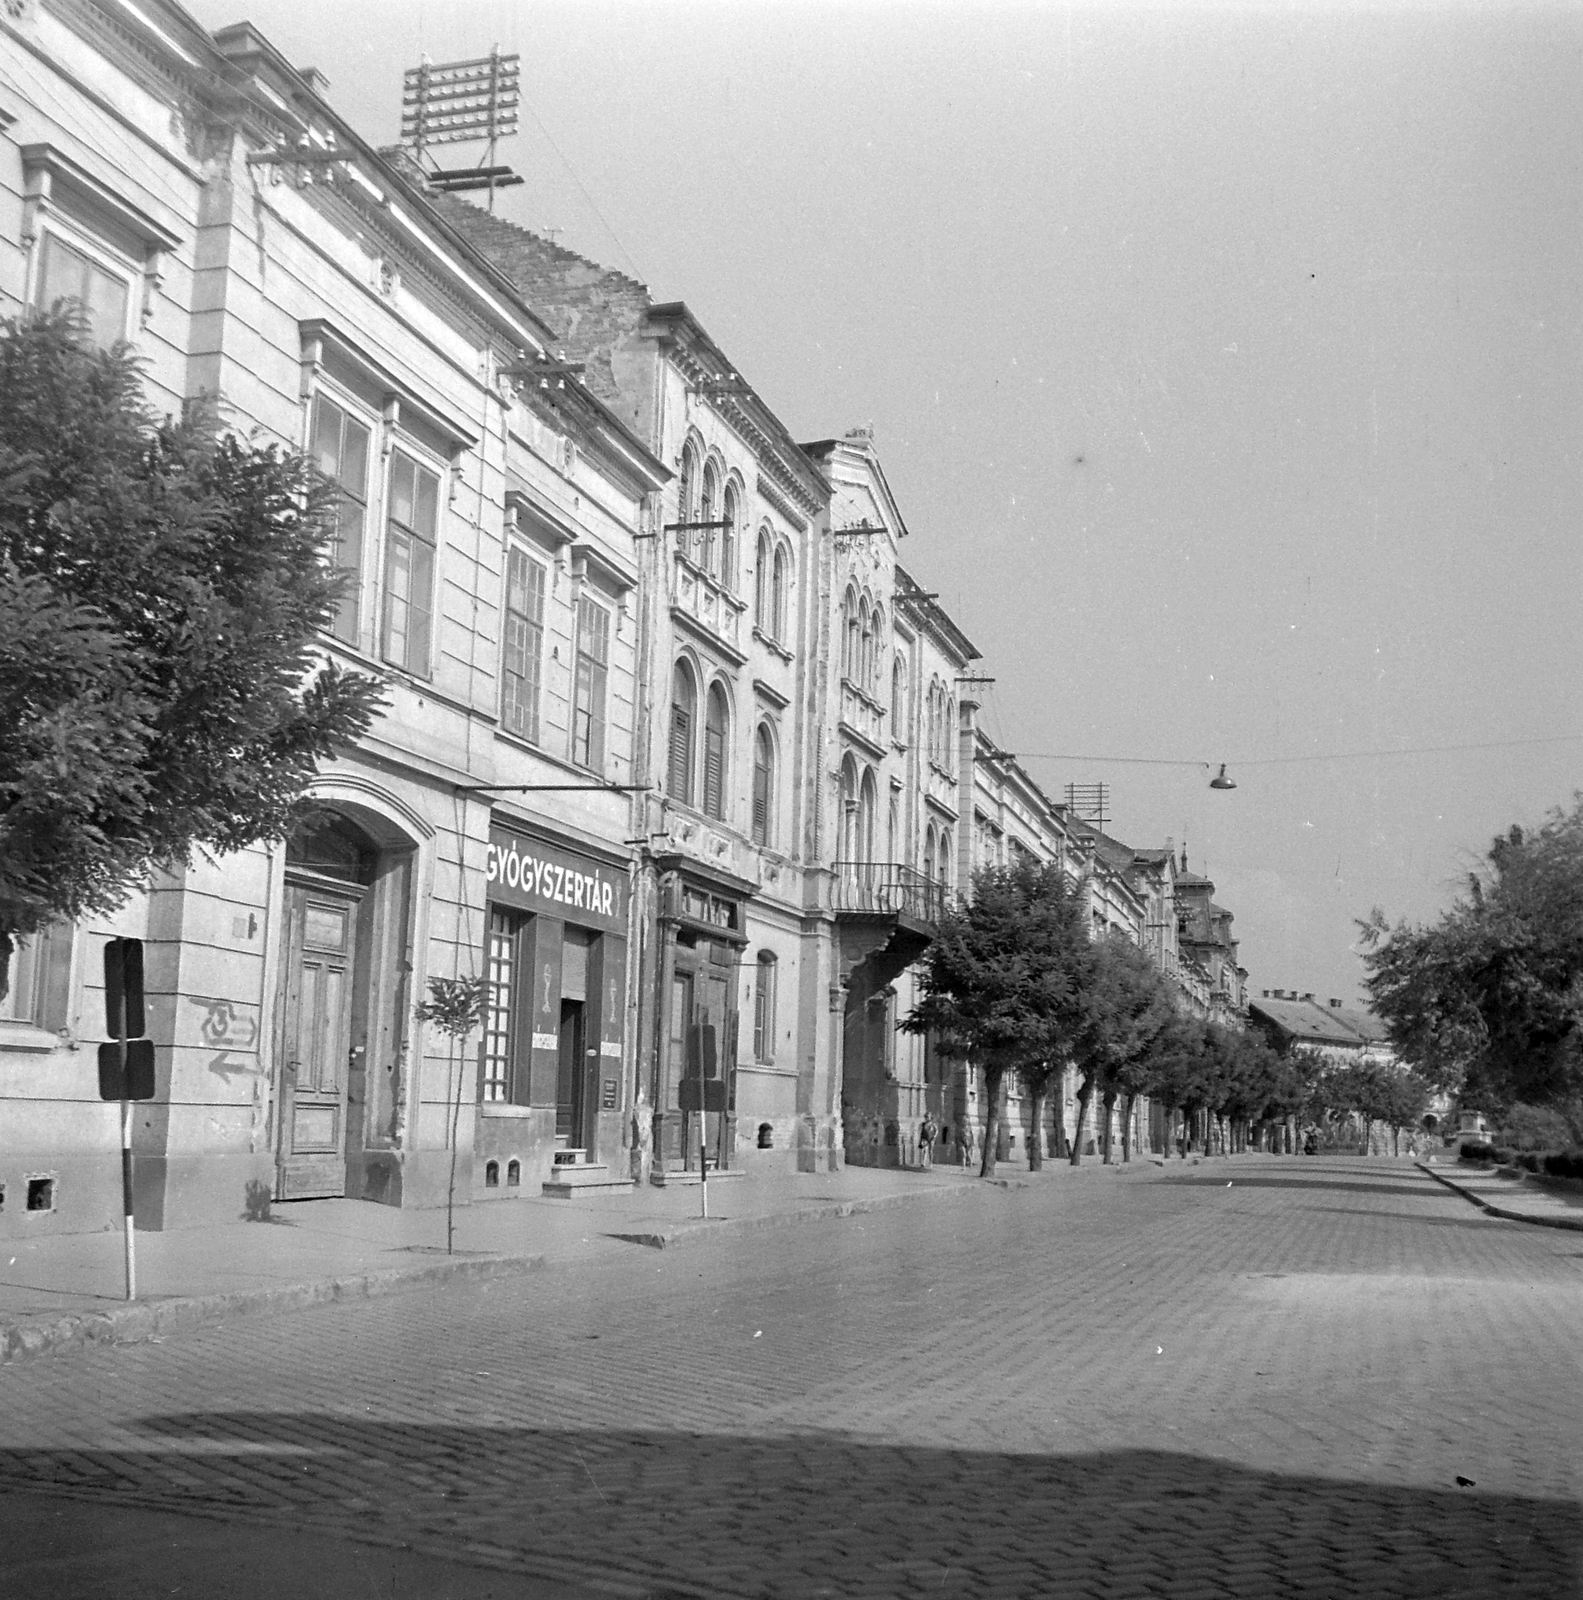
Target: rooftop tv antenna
x,y
1090,803
463,102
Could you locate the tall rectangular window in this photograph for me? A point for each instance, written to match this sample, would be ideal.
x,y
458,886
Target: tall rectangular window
x,y
588,687
764,1008
340,452
411,527
524,645
501,961
69,274
21,1002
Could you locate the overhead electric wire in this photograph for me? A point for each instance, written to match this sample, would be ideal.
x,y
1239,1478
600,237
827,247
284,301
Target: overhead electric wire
x,y
1282,761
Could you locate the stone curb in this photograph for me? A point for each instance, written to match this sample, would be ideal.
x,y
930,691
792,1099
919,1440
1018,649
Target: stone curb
x,y
1574,1224
140,1320
131,1324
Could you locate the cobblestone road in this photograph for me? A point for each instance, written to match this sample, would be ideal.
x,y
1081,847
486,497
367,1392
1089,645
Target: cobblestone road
x,y
1112,1385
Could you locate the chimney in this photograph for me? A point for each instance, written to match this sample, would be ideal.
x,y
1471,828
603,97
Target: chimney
x,y
1308,997
315,80
1336,1005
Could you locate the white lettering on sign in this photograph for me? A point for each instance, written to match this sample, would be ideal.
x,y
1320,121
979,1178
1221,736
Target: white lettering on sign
x,y
552,880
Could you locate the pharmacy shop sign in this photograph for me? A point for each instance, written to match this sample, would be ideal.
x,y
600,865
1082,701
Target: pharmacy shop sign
x,y
555,881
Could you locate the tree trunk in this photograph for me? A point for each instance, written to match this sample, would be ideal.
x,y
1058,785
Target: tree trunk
x,y
1036,1134
1085,1093
456,1118
1126,1128
992,1084
1109,1103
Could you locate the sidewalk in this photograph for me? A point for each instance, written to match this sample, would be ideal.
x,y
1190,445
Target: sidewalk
x,y
1516,1199
67,1290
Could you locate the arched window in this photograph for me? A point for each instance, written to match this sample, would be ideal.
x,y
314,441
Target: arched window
x,y
868,807
852,638
684,720
849,807
763,785
763,614
684,495
898,697
928,853
948,736
893,830
728,537
875,683
863,668
715,723
780,584
764,1009
706,513
945,859
932,742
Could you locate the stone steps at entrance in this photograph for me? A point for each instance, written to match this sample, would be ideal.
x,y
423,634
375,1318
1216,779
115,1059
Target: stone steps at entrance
x,y
574,1173
691,1180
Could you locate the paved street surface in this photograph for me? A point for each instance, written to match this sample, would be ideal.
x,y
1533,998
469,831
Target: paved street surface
x,y
1141,1384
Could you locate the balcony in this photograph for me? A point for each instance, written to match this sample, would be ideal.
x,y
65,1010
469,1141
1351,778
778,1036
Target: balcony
x,y
863,718
886,888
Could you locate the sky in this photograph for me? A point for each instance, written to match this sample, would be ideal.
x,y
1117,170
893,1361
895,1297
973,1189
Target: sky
x,y
1224,361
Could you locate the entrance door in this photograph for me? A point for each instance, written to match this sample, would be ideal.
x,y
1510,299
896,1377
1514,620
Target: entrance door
x,y
569,1120
315,1041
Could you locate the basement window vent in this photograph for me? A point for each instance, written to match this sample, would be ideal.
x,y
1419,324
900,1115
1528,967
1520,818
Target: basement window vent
x,y
41,1194
491,1174
513,1173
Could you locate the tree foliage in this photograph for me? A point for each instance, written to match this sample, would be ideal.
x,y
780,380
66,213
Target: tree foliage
x,y
1003,983
1127,1006
1488,1001
161,582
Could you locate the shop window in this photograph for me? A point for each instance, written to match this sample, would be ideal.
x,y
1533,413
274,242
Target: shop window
x,y
763,784
73,280
715,721
588,688
684,715
501,970
340,452
764,1007
523,645
411,529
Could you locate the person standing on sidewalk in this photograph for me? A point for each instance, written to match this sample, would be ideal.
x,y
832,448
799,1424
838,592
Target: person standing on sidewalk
x,y
928,1132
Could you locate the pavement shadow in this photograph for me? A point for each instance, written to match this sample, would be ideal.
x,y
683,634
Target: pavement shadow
x,y
796,1514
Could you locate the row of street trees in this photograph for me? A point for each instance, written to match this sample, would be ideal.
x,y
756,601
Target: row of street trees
x,y
1015,984
1487,1002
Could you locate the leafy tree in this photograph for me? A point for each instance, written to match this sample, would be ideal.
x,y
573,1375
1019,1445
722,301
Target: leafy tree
x,y
1002,984
160,585
1126,1008
456,1006
1178,1063
1488,1001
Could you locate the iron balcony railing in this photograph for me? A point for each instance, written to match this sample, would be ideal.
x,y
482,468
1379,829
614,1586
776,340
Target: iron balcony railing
x,y
887,887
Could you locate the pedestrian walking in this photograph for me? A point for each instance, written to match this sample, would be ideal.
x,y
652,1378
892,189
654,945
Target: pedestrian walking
x,y
928,1132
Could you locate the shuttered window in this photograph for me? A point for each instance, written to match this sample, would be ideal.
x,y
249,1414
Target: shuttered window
x,y
764,1008
763,784
524,645
588,692
715,755
684,703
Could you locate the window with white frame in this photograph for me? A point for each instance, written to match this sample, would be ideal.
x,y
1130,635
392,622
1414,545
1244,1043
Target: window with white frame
x,y
780,583
706,515
522,644
411,532
90,283
588,687
761,585
728,537
764,1007
38,971
340,451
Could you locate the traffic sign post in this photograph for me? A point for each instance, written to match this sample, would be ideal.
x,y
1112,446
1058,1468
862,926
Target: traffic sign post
x,y
126,1067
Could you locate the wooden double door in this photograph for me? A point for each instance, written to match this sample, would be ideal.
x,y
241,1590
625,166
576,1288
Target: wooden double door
x,y
322,1038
